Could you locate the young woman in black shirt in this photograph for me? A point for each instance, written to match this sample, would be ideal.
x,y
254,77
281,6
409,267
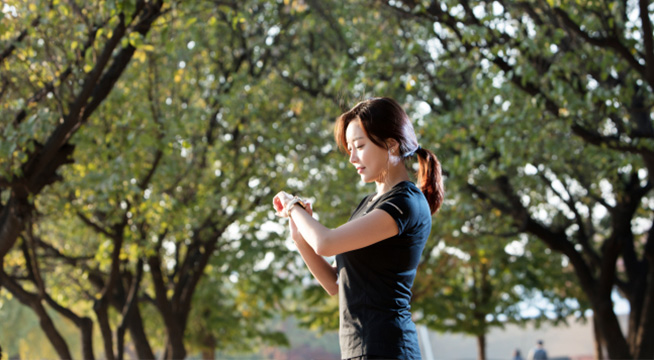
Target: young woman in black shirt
x,y
378,250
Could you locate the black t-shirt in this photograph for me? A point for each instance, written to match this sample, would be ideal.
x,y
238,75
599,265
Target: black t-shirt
x,y
375,281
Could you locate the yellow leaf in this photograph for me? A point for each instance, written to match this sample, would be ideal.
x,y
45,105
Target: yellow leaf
x,y
410,83
140,56
178,75
296,106
134,249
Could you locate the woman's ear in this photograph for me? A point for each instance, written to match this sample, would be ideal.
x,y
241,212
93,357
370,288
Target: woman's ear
x,y
393,146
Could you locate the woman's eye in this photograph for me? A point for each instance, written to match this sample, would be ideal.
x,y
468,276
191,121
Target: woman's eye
x,y
359,147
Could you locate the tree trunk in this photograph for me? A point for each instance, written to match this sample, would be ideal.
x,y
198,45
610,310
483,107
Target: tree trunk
x,y
86,328
175,339
208,354
140,340
11,225
599,343
644,346
101,312
481,347
53,334
610,331
175,349
209,351
34,302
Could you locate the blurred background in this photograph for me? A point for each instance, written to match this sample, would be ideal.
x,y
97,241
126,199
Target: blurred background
x,y
142,141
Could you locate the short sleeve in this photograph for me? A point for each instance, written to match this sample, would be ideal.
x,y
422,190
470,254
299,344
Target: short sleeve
x,y
399,207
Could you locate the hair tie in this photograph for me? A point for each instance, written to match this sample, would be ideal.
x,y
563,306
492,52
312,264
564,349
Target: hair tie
x,y
414,151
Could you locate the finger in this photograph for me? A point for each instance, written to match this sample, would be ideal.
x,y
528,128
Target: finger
x,y
280,200
277,204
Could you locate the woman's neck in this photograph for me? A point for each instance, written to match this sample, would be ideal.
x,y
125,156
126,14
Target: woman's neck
x,y
393,178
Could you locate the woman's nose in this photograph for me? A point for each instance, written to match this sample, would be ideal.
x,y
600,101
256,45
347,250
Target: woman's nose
x,y
353,157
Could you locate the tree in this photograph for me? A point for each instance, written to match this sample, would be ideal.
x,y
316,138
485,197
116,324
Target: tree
x,y
556,136
168,185
471,280
50,89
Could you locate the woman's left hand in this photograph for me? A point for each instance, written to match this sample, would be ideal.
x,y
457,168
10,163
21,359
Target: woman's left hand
x,y
279,202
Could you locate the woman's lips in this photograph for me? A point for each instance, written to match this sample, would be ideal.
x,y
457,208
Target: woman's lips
x,y
360,169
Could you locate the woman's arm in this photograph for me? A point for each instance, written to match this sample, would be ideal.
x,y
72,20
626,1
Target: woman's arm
x,y
319,267
367,230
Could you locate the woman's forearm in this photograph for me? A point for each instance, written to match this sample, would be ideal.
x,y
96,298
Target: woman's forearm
x,y
319,267
313,232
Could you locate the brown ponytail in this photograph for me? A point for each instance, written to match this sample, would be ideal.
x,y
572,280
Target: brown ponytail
x,y
430,179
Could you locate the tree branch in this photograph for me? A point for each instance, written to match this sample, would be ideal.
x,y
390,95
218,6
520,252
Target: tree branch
x,y
606,42
648,40
128,308
99,229
33,301
583,235
23,34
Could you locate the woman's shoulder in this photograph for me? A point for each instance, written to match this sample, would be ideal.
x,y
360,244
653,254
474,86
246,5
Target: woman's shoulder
x,y
408,206
407,194
405,188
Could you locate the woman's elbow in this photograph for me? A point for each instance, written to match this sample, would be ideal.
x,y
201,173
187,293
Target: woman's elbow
x,y
332,290
325,247
325,251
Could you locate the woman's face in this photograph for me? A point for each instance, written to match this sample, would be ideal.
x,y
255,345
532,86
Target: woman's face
x,y
369,159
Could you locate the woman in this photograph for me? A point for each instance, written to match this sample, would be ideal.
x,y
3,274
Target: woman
x,y
378,249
